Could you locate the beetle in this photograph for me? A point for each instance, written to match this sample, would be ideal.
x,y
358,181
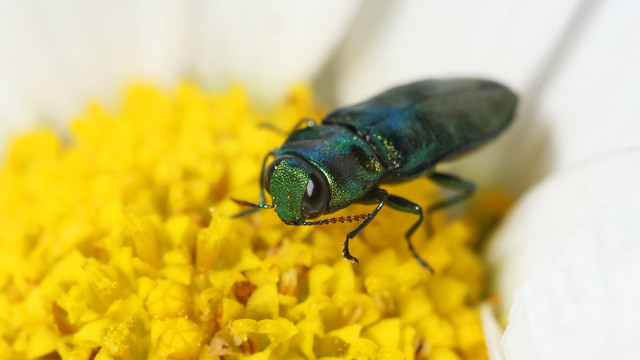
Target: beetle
x,y
396,136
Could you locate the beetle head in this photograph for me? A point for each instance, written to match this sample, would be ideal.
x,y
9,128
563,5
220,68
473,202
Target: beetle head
x,y
299,190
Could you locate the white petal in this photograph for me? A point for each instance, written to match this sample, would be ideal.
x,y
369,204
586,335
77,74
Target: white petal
x,y
492,332
54,56
590,106
270,44
165,39
582,301
512,42
558,207
566,263
393,42
13,110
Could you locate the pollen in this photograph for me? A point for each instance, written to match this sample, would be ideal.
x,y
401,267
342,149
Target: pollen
x,y
118,241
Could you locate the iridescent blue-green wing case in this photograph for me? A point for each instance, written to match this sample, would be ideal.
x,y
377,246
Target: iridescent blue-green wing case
x,y
413,127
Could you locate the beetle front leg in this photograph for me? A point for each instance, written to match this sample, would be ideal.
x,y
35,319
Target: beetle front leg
x,y
381,197
308,122
405,205
464,187
263,199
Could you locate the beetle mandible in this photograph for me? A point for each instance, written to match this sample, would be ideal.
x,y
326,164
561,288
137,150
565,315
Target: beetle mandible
x,y
396,136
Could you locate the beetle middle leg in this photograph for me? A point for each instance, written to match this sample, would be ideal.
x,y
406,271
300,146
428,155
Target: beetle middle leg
x,y
381,197
465,189
405,205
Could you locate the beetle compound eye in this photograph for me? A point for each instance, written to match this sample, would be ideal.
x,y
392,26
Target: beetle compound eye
x,y
316,196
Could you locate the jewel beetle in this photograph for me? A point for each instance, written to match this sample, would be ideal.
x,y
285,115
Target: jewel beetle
x,y
396,136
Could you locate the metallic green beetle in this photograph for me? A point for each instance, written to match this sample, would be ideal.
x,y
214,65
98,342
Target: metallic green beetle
x,y
393,137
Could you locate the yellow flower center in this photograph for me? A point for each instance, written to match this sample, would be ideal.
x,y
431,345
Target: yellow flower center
x,y
117,242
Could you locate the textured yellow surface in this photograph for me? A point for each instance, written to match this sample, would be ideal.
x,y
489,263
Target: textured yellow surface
x,y
117,242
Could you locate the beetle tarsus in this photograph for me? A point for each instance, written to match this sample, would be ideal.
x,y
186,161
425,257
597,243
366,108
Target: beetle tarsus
x,y
405,205
421,261
347,255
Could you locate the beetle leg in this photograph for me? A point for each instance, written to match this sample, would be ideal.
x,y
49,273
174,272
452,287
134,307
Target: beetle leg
x,y
463,187
381,197
405,205
304,121
264,165
308,122
262,202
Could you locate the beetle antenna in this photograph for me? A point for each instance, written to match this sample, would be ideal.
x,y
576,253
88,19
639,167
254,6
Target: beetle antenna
x,y
254,207
340,219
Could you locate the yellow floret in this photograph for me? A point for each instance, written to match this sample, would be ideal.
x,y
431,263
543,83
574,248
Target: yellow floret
x,y
177,338
242,327
385,333
348,334
363,349
118,242
167,299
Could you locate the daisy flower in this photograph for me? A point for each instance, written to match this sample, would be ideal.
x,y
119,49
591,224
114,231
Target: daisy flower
x,y
117,239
